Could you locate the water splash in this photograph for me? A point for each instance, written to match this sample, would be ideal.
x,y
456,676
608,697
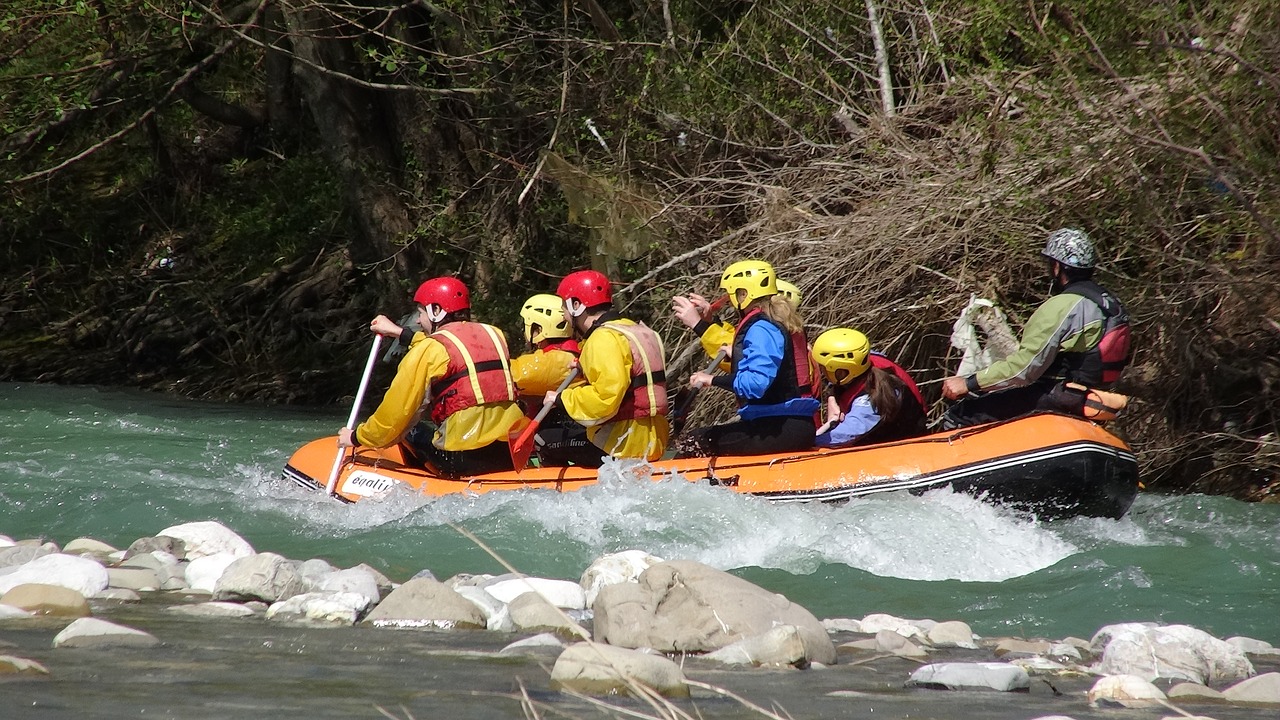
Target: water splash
x,y
939,536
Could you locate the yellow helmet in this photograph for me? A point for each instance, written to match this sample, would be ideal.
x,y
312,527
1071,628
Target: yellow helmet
x,y
842,349
755,277
547,313
790,292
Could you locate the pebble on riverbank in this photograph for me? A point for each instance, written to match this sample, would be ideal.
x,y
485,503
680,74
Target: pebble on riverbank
x,y
626,602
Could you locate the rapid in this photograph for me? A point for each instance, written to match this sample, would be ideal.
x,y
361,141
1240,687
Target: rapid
x,y
118,465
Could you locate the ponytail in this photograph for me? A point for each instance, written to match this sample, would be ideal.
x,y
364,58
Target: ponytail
x,y
782,313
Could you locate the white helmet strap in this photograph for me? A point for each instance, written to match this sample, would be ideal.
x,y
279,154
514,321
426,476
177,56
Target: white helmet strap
x,y
435,313
574,307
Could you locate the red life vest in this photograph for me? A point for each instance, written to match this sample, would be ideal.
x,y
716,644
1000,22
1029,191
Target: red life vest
x,y
910,418
647,396
845,395
568,345
479,369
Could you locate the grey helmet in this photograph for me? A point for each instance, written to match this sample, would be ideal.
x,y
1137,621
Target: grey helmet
x,y
1071,247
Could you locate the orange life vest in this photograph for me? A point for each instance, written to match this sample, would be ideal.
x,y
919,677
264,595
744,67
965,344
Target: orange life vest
x,y
479,369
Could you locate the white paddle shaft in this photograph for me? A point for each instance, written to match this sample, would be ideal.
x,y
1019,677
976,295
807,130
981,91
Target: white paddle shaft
x,y
355,410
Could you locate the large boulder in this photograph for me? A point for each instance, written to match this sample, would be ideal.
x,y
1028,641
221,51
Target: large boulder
x,y
214,610
1173,652
73,572
358,580
542,644
876,622
207,538
952,633
1261,690
204,572
1002,677
95,633
339,608
1250,646
133,578
1195,693
1128,691
560,593
685,606
619,567
88,546
780,646
595,669
314,572
531,612
496,613
15,555
14,665
10,612
424,602
162,543
266,576
168,569
41,599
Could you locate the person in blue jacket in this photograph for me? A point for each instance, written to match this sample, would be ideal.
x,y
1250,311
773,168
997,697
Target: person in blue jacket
x,y
769,372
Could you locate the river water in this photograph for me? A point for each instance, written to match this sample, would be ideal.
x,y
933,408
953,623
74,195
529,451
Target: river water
x,y
117,465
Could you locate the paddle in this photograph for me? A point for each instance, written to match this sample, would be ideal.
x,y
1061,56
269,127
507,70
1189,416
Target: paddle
x,y
681,412
355,409
521,446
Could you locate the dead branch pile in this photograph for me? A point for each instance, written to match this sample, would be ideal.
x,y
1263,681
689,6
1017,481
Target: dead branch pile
x,y
895,236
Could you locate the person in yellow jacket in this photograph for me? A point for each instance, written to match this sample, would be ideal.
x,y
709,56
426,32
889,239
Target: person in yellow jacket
x,y
458,373
554,351
623,401
554,354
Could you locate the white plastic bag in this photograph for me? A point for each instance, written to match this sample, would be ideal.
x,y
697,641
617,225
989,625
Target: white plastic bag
x,y
981,314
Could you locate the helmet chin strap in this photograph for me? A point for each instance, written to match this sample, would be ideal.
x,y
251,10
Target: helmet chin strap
x,y
435,314
575,308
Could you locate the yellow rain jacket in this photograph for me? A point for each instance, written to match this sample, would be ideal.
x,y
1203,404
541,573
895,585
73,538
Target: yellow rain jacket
x,y
541,371
467,429
713,336
606,365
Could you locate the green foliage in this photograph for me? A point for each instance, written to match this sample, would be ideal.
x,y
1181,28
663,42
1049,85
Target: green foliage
x,y
264,212
1150,124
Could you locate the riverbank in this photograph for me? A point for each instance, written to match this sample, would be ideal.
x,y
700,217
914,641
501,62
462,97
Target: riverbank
x,y
198,604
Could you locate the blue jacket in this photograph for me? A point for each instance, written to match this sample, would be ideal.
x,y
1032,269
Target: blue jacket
x,y
763,350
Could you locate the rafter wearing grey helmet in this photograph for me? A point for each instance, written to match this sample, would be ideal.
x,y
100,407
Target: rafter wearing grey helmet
x,y
1071,247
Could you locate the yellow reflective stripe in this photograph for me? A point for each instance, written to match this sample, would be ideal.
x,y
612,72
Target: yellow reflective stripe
x,y
644,358
502,356
466,358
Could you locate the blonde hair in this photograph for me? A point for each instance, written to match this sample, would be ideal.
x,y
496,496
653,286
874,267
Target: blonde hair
x,y
783,314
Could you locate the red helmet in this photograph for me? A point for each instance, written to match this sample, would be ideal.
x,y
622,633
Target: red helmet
x,y
447,292
588,287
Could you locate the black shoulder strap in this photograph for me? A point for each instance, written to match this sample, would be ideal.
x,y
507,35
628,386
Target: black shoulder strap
x,y
1105,301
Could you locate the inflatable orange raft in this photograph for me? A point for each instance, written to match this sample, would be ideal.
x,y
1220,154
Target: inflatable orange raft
x,y
1051,465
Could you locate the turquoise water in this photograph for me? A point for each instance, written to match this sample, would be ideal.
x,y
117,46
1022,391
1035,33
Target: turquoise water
x,y
118,465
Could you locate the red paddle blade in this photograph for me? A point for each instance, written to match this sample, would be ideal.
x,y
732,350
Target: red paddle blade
x,y
521,446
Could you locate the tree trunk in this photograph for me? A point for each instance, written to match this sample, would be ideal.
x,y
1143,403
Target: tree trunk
x,y
359,138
